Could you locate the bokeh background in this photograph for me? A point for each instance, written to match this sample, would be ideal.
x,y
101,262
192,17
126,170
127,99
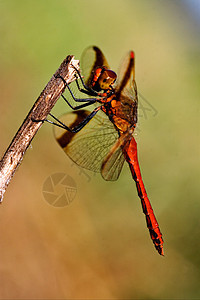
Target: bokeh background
x,y
98,247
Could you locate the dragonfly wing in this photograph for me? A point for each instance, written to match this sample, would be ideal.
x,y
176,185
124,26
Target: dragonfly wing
x,y
113,162
126,85
88,147
126,89
91,59
113,166
126,73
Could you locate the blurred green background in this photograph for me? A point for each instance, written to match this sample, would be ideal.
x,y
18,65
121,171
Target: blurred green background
x,y
98,246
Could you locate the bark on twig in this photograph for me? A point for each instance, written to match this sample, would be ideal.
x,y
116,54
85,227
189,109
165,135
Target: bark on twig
x,y
40,110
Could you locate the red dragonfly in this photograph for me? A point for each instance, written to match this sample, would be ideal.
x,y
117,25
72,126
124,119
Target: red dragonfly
x,y
102,142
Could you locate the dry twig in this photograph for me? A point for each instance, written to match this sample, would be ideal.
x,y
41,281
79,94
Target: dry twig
x,y
40,110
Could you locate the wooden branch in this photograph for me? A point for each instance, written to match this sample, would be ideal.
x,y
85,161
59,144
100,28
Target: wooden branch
x,y
40,110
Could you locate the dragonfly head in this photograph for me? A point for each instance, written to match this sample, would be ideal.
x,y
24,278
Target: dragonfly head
x,y
103,79
107,79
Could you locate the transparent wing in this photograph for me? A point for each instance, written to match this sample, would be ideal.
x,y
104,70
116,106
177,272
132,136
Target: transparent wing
x,y
112,169
126,89
91,58
126,85
88,147
114,160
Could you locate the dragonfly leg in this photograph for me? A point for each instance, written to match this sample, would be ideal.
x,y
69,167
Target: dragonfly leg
x,y
91,92
76,99
76,128
78,106
87,90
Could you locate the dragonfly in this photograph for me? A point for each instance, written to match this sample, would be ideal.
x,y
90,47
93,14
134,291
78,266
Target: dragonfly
x,y
101,140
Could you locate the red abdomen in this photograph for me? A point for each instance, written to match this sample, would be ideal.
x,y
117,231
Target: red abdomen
x,y
130,152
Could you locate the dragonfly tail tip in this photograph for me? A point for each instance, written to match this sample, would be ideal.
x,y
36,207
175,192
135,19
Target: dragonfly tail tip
x,y
161,251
